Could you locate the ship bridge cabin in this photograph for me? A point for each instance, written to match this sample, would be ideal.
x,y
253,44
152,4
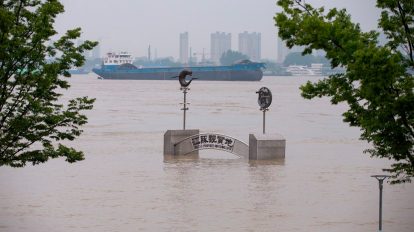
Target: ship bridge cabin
x,y
113,58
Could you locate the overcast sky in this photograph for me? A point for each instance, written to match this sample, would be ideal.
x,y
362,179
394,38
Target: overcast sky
x,y
131,25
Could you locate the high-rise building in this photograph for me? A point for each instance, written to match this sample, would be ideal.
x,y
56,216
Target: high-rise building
x,y
149,52
220,43
250,44
282,50
96,51
184,47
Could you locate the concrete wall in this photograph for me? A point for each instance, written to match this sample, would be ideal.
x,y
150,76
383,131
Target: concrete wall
x,y
261,147
172,137
265,147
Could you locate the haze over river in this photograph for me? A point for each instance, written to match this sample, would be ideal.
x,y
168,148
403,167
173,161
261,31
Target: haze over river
x,y
125,184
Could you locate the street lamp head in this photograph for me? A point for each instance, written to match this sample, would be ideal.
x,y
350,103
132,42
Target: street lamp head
x,y
380,177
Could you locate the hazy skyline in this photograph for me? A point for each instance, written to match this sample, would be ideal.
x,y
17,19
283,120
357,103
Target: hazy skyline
x,y
128,25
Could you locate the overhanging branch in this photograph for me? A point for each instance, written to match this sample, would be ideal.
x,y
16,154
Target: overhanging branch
x,y
407,31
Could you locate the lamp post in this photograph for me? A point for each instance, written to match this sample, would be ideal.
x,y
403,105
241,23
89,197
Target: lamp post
x,y
185,103
184,87
264,119
380,179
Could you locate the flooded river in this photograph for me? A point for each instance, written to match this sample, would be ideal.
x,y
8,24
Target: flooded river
x,y
125,184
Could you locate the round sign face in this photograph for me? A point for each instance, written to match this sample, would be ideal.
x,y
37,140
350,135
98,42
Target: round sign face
x,y
265,97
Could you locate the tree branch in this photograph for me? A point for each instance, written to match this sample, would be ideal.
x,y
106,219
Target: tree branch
x,y
407,31
11,71
406,124
40,136
18,101
303,6
18,12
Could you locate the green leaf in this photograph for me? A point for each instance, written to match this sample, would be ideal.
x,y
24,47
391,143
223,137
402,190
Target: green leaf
x,y
378,83
31,82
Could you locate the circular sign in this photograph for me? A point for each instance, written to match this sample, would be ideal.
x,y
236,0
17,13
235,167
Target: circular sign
x,y
265,97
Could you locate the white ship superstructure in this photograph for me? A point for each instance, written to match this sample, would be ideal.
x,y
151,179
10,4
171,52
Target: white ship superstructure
x,y
113,58
303,70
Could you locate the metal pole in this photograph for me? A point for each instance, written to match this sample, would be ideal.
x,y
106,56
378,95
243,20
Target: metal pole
x,y
380,179
185,105
264,121
380,205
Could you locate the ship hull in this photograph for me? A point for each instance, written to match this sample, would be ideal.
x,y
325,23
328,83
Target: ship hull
x,y
78,71
247,71
231,75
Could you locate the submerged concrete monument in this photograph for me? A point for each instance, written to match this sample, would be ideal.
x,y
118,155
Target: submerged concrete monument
x,y
189,142
172,137
266,146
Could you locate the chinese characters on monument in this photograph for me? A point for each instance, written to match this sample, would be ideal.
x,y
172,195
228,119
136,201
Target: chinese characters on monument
x,y
205,141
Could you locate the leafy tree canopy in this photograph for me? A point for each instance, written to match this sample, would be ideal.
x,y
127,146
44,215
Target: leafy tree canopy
x,y
229,57
378,83
32,119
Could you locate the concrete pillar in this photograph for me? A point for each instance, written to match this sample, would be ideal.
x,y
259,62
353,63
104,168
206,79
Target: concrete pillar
x,y
172,137
266,147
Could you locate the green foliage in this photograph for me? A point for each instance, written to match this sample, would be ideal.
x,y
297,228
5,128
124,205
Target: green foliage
x,y
378,83
32,120
229,57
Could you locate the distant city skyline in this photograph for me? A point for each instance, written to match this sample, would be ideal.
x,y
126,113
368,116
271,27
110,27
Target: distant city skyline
x,y
184,46
220,42
250,45
133,25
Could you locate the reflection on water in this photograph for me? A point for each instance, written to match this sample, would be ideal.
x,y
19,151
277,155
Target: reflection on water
x,y
126,184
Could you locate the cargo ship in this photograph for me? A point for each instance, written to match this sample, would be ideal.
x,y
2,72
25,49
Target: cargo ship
x,y
118,66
